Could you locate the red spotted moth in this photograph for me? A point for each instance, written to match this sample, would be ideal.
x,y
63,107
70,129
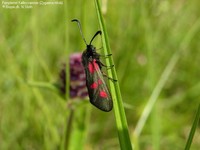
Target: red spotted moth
x,y
97,89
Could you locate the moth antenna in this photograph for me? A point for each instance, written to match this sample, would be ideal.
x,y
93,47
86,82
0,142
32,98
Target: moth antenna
x,y
98,32
80,28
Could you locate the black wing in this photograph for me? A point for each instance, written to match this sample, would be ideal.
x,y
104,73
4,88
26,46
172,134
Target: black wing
x,y
98,92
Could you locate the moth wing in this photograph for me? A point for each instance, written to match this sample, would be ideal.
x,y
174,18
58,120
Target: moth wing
x,y
97,89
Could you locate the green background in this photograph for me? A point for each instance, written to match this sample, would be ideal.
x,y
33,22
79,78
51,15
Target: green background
x,y
143,35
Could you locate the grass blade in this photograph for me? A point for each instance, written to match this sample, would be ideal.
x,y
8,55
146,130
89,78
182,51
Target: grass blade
x,y
121,122
193,129
165,75
156,92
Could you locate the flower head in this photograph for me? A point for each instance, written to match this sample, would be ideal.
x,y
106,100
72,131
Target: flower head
x,y
77,77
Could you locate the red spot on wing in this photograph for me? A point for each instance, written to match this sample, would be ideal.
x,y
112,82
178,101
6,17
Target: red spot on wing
x,y
94,85
103,94
100,82
93,66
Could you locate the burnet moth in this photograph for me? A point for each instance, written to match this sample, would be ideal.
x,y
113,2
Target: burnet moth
x,y
97,89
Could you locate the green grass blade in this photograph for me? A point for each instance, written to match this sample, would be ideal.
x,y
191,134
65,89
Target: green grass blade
x,y
121,122
156,92
193,129
165,75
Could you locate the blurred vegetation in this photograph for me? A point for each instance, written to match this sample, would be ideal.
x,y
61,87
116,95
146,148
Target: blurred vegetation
x,y
143,35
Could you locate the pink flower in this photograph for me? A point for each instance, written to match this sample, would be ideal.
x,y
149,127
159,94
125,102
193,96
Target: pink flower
x,y
77,77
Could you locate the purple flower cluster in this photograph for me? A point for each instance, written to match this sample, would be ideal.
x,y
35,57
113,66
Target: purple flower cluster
x,y
77,77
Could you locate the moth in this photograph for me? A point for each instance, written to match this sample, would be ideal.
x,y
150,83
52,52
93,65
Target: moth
x,y
97,89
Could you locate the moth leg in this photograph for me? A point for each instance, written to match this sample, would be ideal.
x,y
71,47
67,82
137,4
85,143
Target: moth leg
x,y
109,67
99,48
101,64
105,75
106,56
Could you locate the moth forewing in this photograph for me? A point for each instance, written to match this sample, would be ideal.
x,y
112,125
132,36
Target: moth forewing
x,y
97,88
